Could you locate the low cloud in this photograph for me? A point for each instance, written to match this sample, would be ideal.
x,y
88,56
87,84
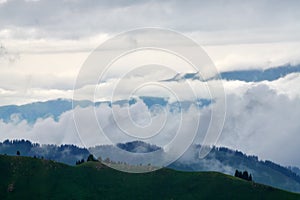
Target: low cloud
x,y
261,119
263,122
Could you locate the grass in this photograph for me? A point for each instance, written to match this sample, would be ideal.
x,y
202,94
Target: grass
x,y
29,178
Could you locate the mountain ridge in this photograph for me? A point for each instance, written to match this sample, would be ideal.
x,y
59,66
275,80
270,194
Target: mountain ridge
x,y
32,178
250,75
220,159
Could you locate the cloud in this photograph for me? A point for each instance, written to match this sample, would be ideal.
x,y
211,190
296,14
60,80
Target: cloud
x,y
7,57
288,85
38,77
121,125
48,41
261,119
56,19
254,56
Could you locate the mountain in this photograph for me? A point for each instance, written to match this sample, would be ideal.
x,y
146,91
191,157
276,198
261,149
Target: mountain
x,y
296,170
138,147
54,108
252,75
30,178
220,159
31,112
67,154
181,77
225,160
270,74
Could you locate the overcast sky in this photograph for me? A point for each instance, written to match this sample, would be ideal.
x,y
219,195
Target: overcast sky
x,y
44,43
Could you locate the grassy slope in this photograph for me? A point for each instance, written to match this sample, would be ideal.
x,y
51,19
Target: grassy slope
x,y
41,179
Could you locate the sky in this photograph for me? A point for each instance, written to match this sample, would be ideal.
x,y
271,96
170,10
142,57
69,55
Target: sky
x,y
44,44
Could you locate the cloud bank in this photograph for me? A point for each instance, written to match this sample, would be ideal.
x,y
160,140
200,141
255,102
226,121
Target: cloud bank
x,y
262,119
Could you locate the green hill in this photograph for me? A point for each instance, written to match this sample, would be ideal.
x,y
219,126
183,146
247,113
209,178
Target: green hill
x,y
29,178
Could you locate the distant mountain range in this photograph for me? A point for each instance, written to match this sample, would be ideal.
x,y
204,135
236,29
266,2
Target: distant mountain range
x,y
270,74
31,112
252,75
225,160
220,159
54,108
138,147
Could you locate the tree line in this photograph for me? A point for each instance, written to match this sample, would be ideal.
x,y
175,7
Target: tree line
x,y
243,175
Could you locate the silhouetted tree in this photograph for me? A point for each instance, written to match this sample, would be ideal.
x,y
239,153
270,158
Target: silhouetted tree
x,y
18,153
78,162
243,175
91,158
236,174
250,177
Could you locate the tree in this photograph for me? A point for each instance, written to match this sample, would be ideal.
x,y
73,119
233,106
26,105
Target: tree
x,y
245,175
78,162
91,158
18,153
250,178
236,174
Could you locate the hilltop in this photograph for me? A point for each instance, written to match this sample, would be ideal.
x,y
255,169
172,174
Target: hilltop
x,y
32,178
220,159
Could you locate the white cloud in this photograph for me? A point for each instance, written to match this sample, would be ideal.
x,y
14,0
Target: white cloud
x,y
166,124
288,85
48,41
261,119
264,122
29,95
254,56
